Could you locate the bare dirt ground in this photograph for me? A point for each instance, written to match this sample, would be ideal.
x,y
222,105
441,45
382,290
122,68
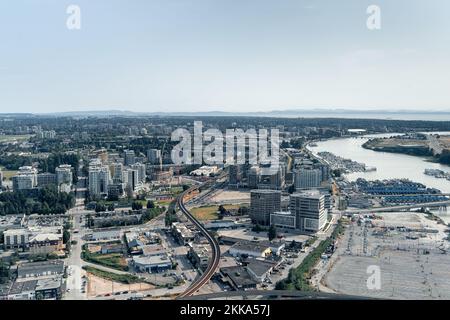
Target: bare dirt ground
x,y
410,268
231,195
392,142
445,141
98,286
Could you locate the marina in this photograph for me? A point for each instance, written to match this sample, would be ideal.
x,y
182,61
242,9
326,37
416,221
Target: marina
x,y
439,174
346,165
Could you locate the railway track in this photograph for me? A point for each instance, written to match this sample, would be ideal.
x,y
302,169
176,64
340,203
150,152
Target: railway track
x,y
215,249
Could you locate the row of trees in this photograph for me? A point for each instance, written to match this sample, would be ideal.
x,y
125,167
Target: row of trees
x,y
5,273
152,213
444,158
43,201
55,160
298,278
14,162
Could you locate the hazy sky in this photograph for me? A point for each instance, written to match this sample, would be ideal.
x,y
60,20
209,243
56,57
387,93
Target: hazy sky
x,y
229,55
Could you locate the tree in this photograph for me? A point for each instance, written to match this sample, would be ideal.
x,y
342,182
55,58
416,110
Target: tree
x,y
150,204
136,205
243,211
257,228
170,218
222,212
113,197
66,236
4,272
100,207
272,232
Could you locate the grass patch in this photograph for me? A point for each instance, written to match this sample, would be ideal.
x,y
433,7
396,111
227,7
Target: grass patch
x,y
9,138
8,174
205,213
112,260
121,278
210,212
150,214
163,203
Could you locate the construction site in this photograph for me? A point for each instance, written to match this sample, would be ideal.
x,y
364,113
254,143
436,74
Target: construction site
x,y
410,250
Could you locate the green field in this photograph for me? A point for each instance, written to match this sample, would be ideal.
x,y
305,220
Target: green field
x,y
122,278
112,260
210,212
7,138
8,174
163,203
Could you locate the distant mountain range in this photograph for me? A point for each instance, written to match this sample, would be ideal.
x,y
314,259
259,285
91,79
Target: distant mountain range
x,y
289,113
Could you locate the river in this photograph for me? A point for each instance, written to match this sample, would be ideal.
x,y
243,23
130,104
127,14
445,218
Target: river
x,y
389,165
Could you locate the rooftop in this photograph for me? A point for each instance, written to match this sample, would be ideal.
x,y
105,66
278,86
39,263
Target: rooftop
x,y
260,267
239,276
54,266
154,249
25,286
308,195
152,260
265,191
46,237
250,246
48,284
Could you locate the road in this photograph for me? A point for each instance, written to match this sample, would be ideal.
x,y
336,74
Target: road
x,y
74,262
276,294
160,293
398,208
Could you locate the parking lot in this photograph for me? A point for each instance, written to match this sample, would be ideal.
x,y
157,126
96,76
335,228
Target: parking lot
x,y
412,265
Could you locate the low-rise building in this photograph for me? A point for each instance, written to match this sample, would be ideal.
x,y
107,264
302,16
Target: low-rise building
x,y
45,243
137,241
221,224
36,239
199,256
259,269
152,264
11,222
238,278
274,245
182,233
115,218
153,250
40,269
111,248
104,235
250,249
42,289
25,290
17,238
49,289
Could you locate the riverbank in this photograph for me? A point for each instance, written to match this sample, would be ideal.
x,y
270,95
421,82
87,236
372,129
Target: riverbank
x,y
420,149
389,165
